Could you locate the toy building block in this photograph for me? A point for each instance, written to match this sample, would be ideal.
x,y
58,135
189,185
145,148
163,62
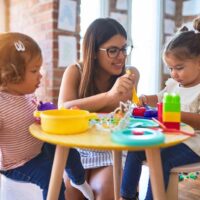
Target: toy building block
x,y
172,125
146,112
160,108
139,111
151,113
171,110
172,117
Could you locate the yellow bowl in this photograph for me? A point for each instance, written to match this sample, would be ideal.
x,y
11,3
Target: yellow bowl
x,y
65,121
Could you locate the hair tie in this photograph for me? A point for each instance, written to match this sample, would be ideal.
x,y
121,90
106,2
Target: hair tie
x,y
19,46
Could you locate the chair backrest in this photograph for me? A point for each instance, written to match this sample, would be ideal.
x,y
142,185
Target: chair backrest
x,y
14,190
187,168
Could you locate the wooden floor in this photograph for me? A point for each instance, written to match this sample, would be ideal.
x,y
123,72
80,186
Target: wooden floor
x,y
189,189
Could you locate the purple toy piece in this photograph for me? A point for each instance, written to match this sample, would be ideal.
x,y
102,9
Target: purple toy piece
x,y
46,106
151,113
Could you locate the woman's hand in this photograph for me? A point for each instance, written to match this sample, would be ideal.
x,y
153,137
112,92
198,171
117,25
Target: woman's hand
x,y
122,89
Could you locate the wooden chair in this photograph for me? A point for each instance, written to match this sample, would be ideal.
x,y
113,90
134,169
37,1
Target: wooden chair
x,y
15,190
172,190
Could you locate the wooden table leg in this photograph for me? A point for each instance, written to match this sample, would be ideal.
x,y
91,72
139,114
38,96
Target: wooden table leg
x,y
117,171
61,155
156,173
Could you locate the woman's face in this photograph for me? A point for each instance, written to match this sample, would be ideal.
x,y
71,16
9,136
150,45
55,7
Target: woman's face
x,y
113,63
186,71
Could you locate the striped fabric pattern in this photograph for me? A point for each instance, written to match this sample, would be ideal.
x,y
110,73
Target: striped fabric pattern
x,y
94,159
91,158
17,146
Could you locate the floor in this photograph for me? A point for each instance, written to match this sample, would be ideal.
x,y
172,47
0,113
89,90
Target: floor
x,y
188,189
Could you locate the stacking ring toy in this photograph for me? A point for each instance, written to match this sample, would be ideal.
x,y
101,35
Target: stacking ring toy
x,y
138,137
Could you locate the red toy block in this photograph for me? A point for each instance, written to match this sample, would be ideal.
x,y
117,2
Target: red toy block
x,y
139,111
160,110
173,125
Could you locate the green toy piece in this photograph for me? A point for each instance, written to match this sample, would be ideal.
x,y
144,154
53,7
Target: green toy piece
x,y
171,102
191,175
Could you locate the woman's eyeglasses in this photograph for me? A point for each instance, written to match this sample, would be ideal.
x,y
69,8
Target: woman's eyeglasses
x,y
113,52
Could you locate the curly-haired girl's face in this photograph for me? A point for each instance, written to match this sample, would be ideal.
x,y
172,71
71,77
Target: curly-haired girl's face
x,y
186,71
31,79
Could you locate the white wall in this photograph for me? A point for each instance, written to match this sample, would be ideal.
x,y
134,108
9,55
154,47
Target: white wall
x,y
2,16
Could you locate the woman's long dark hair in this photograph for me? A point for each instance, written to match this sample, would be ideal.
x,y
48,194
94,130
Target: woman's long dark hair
x,y
99,31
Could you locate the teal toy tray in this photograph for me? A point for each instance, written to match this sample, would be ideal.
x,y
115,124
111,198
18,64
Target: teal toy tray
x,y
138,137
143,123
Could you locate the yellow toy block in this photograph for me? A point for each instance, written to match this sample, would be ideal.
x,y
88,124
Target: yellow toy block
x,y
172,117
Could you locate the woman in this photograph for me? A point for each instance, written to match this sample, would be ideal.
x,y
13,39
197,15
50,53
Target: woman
x,y
98,84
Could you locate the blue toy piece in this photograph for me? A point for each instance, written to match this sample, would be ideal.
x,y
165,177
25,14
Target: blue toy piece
x,y
148,137
142,123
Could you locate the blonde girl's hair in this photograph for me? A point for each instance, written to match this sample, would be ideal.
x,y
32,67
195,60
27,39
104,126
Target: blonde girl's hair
x,y
16,51
99,31
186,43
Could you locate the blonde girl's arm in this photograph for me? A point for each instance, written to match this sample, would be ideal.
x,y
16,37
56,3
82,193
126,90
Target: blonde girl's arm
x,y
193,119
68,95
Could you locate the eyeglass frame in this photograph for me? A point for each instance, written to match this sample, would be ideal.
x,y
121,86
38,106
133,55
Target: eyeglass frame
x,y
120,49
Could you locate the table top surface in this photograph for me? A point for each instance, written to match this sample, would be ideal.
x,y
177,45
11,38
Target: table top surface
x,y
101,140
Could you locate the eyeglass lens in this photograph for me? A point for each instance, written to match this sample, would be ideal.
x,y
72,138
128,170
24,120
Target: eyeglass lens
x,y
114,52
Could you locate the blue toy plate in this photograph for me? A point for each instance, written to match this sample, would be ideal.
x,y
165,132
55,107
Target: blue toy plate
x,y
149,137
144,123
140,117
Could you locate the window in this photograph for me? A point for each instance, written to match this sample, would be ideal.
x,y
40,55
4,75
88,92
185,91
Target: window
x,y
2,16
91,11
146,55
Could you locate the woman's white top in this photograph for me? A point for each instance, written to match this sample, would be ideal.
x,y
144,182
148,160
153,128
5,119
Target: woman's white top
x,y
190,102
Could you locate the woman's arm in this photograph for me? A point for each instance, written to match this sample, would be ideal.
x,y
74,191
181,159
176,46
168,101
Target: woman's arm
x,y
193,119
68,96
103,102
